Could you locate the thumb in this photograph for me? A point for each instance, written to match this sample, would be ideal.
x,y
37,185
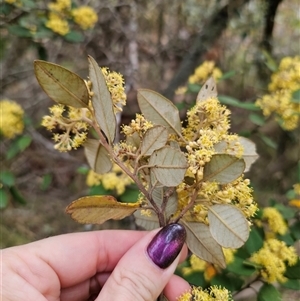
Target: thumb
x,y
146,268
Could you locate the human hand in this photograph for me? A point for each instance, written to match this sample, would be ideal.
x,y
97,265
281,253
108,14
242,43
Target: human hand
x,y
121,265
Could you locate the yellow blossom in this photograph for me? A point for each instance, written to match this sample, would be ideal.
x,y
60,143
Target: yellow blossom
x,y
60,5
279,101
297,188
273,258
204,71
138,125
275,220
57,24
11,123
213,293
116,180
85,17
69,120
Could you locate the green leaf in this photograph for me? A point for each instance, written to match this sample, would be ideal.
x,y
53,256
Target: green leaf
x,y
102,101
4,198
97,156
17,196
257,119
7,178
196,278
168,165
130,195
98,190
227,100
17,146
293,284
296,96
154,139
19,31
147,222
46,181
292,272
74,37
159,110
287,238
238,267
268,292
61,85
99,209
255,241
208,90
228,226
201,243
268,141
231,282
223,168
287,212
227,75
295,230
193,88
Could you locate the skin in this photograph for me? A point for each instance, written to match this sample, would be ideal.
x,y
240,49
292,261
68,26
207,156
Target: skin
x,y
78,266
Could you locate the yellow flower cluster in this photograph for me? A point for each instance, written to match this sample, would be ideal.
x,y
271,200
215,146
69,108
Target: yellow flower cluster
x,y
11,123
69,120
116,180
283,84
138,125
61,11
204,71
116,88
207,126
57,24
273,258
213,293
199,265
275,220
85,17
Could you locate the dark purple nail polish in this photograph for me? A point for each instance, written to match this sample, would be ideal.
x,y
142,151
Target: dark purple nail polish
x,y
166,245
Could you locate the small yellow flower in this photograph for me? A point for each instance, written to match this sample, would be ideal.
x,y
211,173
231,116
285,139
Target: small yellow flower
x,y
273,258
60,5
57,24
275,220
11,114
85,17
204,71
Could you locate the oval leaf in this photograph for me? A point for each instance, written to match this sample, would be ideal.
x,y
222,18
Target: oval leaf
x,y
223,168
250,155
228,226
147,222
154,139
168,165
200,241
98,209
102,102
159,110
61,85
97,156
208,90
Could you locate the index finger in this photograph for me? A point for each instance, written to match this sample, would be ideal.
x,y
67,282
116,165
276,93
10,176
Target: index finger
x,y
79,256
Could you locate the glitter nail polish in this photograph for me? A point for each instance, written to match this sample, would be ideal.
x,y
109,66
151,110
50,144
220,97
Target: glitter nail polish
x,y
166,245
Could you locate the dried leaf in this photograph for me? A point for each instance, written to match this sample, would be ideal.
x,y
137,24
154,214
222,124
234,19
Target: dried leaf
x,y
208,90
61,85
102,101
228,226
250,155
159,110
99,208
154,139
200,241
97,156
223,168
147,222
168,165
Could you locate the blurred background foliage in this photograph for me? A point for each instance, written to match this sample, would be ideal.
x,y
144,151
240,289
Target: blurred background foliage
x,y
156,45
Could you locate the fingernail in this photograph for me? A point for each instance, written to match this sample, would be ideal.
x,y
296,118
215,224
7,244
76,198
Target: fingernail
x,y
166,245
